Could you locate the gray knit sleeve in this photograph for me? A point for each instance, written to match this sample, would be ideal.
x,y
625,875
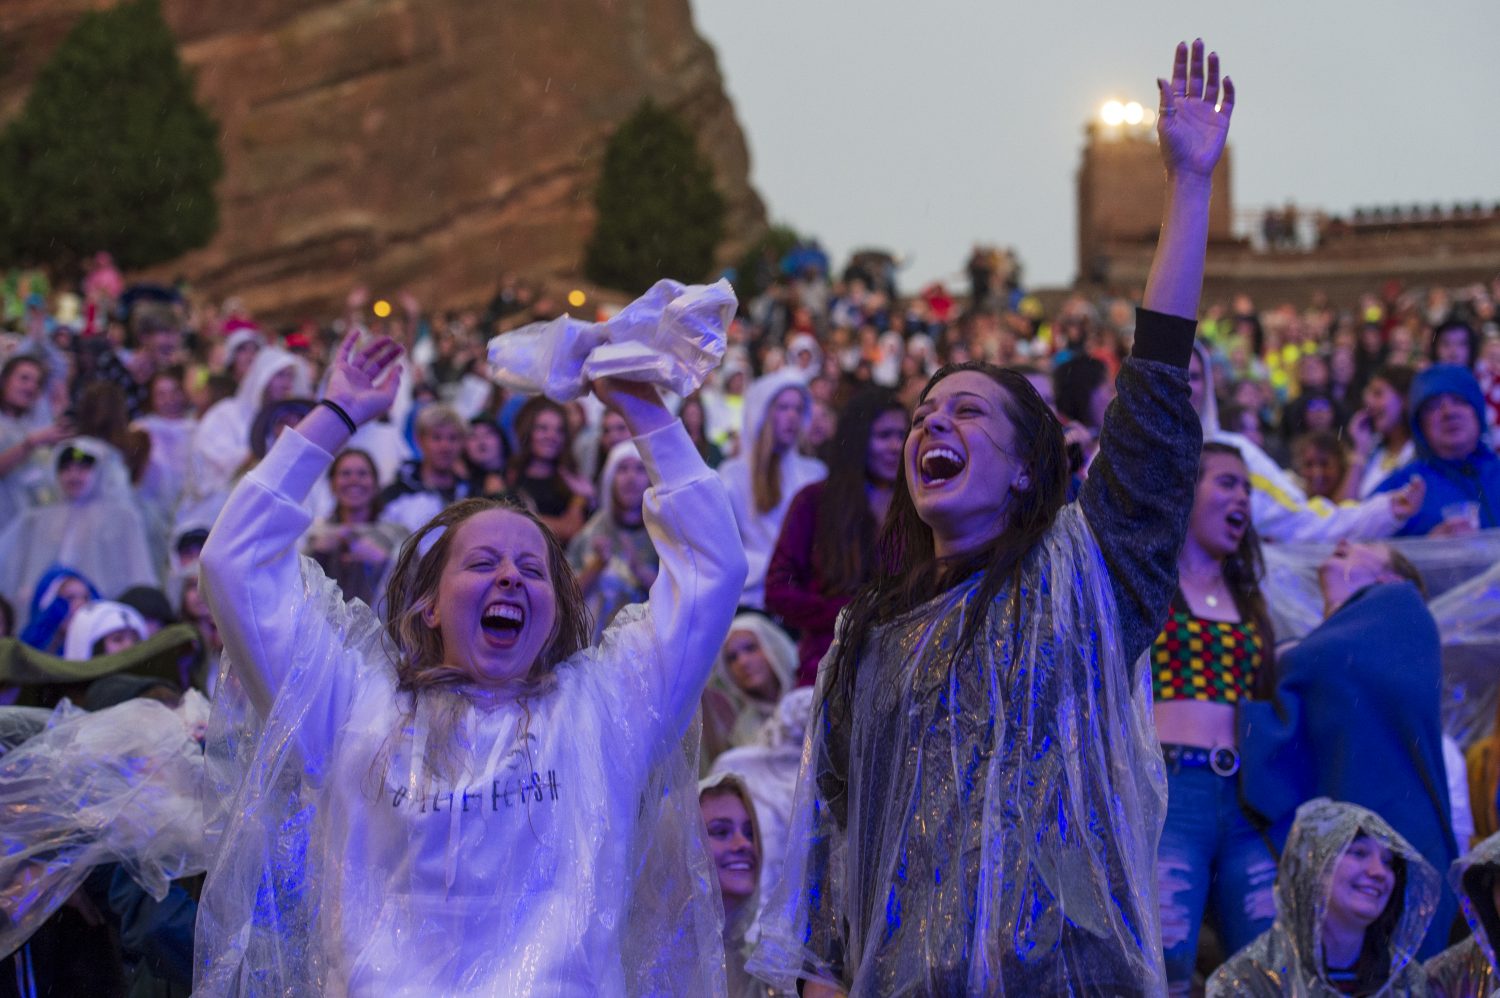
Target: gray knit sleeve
x,y
1139,491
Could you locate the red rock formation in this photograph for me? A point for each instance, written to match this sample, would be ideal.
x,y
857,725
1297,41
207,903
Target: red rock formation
x,y
422,144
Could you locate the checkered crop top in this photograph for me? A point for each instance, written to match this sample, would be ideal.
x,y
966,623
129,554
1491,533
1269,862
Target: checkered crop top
x,y
1197,659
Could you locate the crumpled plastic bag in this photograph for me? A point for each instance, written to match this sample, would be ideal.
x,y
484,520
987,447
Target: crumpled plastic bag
x,y
671,337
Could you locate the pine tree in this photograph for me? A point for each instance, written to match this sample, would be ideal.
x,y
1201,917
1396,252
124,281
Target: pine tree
x,y
659,214
111,150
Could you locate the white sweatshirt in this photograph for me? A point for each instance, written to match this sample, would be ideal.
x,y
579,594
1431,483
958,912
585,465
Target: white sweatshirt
x,y
511,876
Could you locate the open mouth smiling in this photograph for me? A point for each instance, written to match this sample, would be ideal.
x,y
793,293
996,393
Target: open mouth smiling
x,y
940,465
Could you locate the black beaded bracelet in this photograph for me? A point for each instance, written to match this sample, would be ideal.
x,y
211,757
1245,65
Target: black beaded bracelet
x,y
338,411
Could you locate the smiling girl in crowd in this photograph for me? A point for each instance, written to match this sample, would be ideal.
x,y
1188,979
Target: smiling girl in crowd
x,y
756,667
542,469
1215,652
466,795
734,843
979,804
1353,900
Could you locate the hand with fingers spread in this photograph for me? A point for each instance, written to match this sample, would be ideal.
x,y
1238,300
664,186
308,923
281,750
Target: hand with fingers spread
x,y
1193,121
363,380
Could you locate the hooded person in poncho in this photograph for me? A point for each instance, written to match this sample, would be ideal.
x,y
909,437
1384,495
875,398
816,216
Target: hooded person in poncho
x,y
613,555
221,441
94,529
737,849
1353,900
754,669
1469,968
981,793
769,470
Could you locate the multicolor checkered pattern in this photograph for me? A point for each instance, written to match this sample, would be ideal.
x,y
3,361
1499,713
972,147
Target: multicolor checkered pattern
x,y
1197,659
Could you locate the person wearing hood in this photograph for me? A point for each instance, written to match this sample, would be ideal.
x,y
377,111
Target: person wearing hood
x,y
95,529
1377,650
613,555
103,627
734,842
1462,474
756,667
769,768
470,790
1353,900
1467,969
804,356
1281,510
769,470
221,441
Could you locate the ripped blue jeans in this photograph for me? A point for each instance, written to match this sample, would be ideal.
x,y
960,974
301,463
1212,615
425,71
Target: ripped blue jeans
x,y
1211,858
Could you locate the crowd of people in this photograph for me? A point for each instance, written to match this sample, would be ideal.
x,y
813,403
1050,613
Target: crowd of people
x,y
833,673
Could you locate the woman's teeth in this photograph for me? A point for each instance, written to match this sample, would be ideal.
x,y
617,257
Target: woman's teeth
x,y
941,464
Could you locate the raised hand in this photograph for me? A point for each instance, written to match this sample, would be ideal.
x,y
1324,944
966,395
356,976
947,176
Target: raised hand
x,y
1193,121
363,381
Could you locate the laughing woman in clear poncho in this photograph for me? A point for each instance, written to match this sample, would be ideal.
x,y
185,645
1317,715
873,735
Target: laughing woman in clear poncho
x,y
464,799
981,792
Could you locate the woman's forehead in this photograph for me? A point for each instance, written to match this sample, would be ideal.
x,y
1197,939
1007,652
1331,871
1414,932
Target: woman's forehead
x,y
503,530
967,383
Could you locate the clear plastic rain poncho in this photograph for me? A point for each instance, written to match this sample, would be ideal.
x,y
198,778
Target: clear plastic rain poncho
x,y
1286,961
983,799
120,786
1468,968
556,853
100,535
672,336
1462,576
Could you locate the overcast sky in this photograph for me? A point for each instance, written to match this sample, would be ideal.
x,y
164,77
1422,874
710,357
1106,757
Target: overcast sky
x,y
927,125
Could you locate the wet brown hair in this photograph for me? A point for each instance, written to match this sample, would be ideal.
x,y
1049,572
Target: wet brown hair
x,y
418,655
907,571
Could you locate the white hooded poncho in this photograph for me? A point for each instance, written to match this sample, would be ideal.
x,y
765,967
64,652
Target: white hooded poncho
x,y
348,867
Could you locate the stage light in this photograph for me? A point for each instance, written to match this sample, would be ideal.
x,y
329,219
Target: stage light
x,y
382,309
576,298
1134,113
1112,113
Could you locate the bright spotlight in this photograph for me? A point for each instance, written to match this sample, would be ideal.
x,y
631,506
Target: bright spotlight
x,y
382,309
1112,113
576,298
1134,113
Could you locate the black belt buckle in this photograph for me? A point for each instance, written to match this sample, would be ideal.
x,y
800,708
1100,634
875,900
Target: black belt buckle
x,y
1224,761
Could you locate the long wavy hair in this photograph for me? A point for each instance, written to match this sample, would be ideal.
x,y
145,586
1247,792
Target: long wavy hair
x,y
907,570
844,546
1243,571
525,426
421,665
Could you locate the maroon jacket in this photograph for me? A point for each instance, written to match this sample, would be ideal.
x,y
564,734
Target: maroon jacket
x,y
794,584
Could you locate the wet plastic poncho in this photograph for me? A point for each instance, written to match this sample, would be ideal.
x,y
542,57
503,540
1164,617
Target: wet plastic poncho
x,y
350,866
1462,578
672,336
758,531
738,932
769,770
117,786
617,585
1468,968
100,535
221,441
731,716
1287,959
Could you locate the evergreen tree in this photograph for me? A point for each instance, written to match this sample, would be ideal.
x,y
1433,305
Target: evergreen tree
x,y
659,214
111,150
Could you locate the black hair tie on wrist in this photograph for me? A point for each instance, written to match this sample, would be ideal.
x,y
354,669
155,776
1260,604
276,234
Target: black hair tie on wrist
x,y
338,411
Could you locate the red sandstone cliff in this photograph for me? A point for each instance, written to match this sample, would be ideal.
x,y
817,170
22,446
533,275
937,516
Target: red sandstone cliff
x,y
428,144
